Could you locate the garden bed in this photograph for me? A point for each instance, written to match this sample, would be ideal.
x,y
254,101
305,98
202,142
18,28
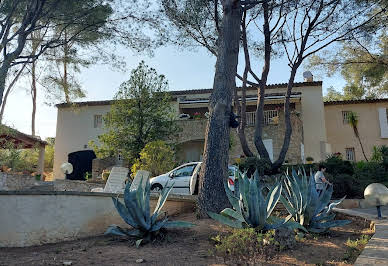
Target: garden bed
x,y
191,247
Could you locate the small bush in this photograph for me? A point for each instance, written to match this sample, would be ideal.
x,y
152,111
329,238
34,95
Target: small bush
x,y
370,172
246,243
380,155
335,165
156,157
355,248
345,185
250,164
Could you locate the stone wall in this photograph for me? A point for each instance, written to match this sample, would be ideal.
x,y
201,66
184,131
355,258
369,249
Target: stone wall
x,y
195,130
14,182
36,218
98,165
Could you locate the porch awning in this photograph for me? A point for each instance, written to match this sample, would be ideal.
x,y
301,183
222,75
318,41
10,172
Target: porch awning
x,y
268,98
11,138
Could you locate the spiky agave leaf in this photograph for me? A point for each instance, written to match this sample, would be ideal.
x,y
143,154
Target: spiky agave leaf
x,y
178,224
136,212
227,220
302,201
253,209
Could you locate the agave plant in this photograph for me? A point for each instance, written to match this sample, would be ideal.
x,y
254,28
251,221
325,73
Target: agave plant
x,y
136,212
307,207
250,207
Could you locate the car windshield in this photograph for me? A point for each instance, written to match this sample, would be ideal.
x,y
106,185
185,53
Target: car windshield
x,y
184,171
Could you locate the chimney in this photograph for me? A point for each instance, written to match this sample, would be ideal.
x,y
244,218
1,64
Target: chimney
x,y
308,77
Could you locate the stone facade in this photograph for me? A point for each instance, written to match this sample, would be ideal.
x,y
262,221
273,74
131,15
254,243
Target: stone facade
x,y
98,165
276,133
194,131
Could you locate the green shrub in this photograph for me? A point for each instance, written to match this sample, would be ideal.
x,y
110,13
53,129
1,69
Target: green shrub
x,y
245,242
370,172
345,185
355,248
309,159
156,157
335,165
380,155
251,164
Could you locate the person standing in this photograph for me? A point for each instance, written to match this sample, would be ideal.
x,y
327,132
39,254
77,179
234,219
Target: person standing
x,y
320,179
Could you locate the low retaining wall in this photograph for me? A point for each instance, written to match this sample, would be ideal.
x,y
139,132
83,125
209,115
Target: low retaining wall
x,y
30,218
12,182
350,203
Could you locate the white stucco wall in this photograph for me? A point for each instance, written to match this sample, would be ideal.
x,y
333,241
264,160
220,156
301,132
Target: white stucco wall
x,y
29,218
75,128
314,128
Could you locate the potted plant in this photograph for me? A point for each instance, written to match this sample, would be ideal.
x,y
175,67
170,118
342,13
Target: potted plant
x,y
309,160
197,116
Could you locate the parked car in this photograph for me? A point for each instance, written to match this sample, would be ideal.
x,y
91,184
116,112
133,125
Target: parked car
x,y
185,178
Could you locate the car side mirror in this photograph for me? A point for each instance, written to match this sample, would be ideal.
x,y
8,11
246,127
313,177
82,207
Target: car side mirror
x,y
171,175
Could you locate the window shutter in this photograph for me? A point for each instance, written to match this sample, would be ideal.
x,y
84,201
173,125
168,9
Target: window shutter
x,y
383,122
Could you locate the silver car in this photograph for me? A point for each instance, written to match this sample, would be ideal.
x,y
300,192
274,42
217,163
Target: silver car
x,y
185,179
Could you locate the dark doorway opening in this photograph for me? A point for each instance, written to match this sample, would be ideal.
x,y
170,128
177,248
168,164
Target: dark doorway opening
x,y
82,164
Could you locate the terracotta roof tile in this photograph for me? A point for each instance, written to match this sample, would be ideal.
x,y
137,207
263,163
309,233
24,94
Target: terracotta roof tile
x,y
187,92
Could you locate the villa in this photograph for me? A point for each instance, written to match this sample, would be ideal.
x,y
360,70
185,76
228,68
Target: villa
x,y
78,123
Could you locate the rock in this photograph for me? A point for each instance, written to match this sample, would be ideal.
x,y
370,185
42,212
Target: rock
x,y
286,237
68,263
139,260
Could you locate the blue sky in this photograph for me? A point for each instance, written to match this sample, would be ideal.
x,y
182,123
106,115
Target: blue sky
x,y
183,69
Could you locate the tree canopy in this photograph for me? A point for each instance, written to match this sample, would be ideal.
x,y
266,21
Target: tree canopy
x,y
65,21
362,60
141,113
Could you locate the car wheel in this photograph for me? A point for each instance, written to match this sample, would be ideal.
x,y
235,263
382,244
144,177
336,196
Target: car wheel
x,y
156,188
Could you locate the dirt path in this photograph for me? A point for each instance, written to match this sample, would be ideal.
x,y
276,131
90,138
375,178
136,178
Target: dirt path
x,y
182,247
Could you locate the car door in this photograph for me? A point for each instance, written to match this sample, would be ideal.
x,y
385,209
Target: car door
x,y
194,180
181,178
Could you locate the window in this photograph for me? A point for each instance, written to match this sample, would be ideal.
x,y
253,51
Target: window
x,y
251,118
97,121
271,117
345,117
184,171
350,154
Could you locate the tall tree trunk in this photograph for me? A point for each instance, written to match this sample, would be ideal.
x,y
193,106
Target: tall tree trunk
x,y
5,66
287,120
241,112
241,109
8,91
259,123
355,129
65,78
33,96
214,170
362,149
